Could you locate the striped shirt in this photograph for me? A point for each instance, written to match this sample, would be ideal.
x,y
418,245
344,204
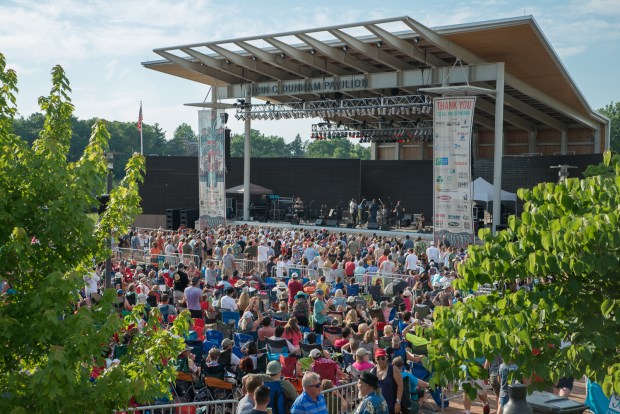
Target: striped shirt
x,y
306,405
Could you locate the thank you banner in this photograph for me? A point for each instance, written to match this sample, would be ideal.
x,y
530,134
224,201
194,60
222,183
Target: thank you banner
x,y
211,168
452,129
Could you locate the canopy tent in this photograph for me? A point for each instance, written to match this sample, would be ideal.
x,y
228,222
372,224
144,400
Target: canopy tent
x,y
254,190
482,190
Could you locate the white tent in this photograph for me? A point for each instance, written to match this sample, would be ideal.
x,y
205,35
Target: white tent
x,y
482,190
255,189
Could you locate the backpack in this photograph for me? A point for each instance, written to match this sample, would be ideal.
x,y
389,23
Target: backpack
x,y
300,308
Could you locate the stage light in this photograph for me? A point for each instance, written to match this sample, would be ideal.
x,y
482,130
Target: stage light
x,y
379,43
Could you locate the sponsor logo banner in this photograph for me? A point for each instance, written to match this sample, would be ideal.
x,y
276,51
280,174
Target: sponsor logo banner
x,y
452,119
211,169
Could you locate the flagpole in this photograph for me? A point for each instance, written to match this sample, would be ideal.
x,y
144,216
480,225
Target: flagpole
x,y
141,142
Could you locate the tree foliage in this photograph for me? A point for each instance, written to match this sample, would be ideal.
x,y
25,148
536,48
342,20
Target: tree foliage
x,y
47,243
568,231
336,148
274,146
612,111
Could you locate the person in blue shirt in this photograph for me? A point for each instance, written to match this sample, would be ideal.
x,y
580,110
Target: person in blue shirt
x,y
414,384
372,402
310,401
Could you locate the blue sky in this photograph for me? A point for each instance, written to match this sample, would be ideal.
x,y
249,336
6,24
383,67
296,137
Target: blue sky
x,y
102,43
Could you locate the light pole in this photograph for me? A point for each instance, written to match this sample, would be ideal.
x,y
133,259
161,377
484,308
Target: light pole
x,y
108,261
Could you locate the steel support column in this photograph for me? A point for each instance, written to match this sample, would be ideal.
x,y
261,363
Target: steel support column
x,y
531,141
247,153
564,142
498,150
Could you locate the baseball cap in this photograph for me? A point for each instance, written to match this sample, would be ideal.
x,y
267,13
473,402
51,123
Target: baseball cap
x,y
120,292
273,368
319,292
361,352
380,352
315,353
226,342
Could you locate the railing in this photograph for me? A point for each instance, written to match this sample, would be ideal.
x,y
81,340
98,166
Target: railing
x,y
210,407
337,397
143,257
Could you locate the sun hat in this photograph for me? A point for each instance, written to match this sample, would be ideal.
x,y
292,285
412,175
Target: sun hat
x,y
361,352
370,379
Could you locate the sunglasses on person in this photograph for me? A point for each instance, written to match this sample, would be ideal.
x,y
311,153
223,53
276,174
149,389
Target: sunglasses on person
x,y
315,385
381,358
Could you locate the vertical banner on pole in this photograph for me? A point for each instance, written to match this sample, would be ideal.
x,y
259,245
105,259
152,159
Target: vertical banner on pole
x,y
452,129
211,169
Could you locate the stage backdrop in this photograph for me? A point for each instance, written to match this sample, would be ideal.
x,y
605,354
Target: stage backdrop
x,y
452,127
211,169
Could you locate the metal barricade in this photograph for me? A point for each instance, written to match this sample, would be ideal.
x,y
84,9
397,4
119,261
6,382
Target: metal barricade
x,y
336,397
245,266
134,255
210,407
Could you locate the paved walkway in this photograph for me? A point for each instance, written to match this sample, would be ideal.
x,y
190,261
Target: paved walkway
x,y
456,405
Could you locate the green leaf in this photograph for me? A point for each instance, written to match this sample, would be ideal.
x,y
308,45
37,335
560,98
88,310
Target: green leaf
x,y
607,306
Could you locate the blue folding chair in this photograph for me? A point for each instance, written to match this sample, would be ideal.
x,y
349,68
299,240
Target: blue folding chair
x,y
305,329
207,345
271,281
216,337
237,351
353,290
242,339
276,396
231,318
275,348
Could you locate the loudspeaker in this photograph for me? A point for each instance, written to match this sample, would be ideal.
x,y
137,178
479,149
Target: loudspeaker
x,y
295,221
350,226
385,227
331,223
173,218
373,226
188,217
405,222
319,222
227,162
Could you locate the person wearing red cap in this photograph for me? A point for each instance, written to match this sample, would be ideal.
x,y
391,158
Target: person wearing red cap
x,y
390,381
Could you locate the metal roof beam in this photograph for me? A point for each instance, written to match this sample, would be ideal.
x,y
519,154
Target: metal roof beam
x,y
531,111
372,82
469,57
198,68
511,118
371,51
337,54
405,47
275,60
307,58
255,65
219,65
484,121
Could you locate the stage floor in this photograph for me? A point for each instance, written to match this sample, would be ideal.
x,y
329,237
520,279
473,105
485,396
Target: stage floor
x,y
394,232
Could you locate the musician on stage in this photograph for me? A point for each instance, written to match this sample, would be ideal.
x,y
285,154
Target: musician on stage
x,y
361,210
353,211
420,222
372,210
298,208
399,213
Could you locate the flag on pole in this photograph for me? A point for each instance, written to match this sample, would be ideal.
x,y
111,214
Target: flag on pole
x,y
140,118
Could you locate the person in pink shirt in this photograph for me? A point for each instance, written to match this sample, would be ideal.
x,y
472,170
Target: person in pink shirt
x,y
294,286
292,332
362,362
407,299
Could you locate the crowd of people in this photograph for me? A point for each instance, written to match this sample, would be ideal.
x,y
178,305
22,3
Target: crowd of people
x,y
310,309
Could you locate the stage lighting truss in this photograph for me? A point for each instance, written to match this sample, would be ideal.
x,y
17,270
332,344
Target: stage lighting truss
x,y
326,108
380,132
